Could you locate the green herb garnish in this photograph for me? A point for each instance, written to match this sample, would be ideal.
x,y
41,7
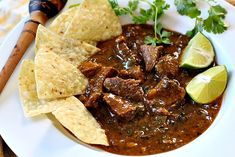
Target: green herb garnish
x,y
187,7
161,36
153,13
117,9
198,27
213,23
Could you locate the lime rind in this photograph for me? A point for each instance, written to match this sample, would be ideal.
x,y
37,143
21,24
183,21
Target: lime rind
x,y
209,85
198,54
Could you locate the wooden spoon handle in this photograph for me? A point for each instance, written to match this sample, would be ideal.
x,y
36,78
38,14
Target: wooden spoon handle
x,y
1,147
25,39
231,1
27,36
40,11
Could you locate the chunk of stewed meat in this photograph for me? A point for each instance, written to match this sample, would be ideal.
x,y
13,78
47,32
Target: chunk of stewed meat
x,y
150,54
95,88
167,65
93,99
96,83
89,69
119,106
167,92
125,54
127,88
135,72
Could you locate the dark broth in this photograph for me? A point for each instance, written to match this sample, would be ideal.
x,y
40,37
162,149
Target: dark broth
x,y
150,133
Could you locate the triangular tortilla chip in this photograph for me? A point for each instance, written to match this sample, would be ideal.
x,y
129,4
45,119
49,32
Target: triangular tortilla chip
x,y
76,118
60,24
57,78
69,111
32,106
74,51
94,20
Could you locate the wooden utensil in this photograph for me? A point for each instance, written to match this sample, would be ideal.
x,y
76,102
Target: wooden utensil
x,y
1,147
232,2
40,11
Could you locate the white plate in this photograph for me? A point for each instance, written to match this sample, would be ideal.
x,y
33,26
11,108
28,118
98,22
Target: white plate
x,y
39,138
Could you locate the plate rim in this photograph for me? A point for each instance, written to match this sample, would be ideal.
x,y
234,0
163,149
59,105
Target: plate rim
x,y
12,33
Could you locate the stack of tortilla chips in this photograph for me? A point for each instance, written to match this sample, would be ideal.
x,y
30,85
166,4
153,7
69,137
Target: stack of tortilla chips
x,y
49,83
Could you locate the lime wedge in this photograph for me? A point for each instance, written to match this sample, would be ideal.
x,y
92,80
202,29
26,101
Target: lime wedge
x,y
209,85
198,54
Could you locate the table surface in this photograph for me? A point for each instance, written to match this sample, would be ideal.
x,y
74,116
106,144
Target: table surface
x,y
5,151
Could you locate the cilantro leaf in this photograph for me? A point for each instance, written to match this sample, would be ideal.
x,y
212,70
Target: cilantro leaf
x,y
144,17
197,28
161,36
117,9
187,7
165,37
162,6
133,5
215,21
162,39
217,10
157,9
215,25
150,41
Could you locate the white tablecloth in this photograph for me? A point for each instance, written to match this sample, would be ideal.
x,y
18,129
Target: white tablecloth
x,y
11,12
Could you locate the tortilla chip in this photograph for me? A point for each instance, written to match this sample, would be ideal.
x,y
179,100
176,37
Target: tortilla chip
x,y
57,78
76,118
94,43
62,21
32,106
94,20
71,50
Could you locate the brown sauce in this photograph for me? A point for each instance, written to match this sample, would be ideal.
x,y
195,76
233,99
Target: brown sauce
x,y
149,132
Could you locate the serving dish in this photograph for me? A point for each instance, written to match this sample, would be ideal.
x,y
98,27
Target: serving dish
x,y
39,137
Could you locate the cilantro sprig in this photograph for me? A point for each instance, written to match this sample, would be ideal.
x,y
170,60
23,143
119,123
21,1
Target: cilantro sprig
x,y
153,13
132,6
187,7
198,27
161,36
213,23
